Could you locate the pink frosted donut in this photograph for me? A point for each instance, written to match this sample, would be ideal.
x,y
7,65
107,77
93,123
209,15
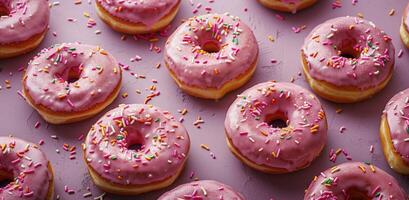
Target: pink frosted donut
x,y
210,55
28,170
23,25
202,190
354,180
347,59
71,82
276,127
395,132
137,16
135,149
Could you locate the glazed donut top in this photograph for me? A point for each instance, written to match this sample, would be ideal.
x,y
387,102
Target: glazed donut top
x,y
248,125
71,77
349,52
342,181
235,44
136,144
202,190
24,19
147,12
397,114
29,168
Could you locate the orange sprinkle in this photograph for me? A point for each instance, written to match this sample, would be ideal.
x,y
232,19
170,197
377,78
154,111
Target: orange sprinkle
x,y
372,168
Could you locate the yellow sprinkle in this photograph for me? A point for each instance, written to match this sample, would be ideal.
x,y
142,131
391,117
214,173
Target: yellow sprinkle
x,y
271,38
335,169
184,111
205,147
314,128
264,133
362,168
338,151
372,168
103,52
124,95
86,14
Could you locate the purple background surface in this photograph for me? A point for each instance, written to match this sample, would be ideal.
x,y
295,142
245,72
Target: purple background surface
x,y
361,120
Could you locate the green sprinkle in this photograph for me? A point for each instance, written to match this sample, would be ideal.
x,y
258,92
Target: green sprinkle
x,y
327,181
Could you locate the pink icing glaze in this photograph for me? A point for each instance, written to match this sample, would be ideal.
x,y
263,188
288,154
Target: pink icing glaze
x,y
164,145
375,53
336,183
28,165
397,114
47,77
289,148
147,12
186,58
26,19
202,190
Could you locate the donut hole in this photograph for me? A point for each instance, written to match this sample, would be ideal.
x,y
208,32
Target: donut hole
x,y
4,10
211,46
135,146
74,74
355,194
5,179
278,120
135,142
347,49
349,53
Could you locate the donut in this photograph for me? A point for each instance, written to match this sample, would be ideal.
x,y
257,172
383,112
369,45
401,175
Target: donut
x,y
23,25
354,180
394,132
135,149
137,17
211,55
276,127
404,27
70,82
26,170
287,5
202,190
347,59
